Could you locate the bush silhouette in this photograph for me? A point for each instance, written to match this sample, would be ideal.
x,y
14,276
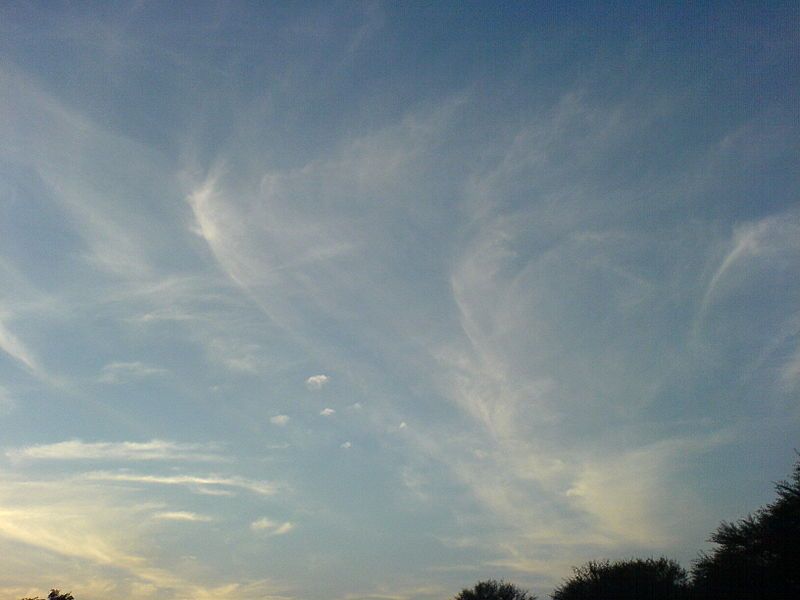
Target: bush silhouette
x,y
757,557
54,595
492,589
636,579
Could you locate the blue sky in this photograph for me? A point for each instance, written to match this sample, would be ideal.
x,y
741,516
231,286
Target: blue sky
x,y
372,301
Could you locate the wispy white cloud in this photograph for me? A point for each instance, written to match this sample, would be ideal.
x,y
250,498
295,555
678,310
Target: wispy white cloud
x,y
791,369
182,516
197,483
279,420
6,401
120,372
327,412
119,451
773,239
270,527
346,445
12,346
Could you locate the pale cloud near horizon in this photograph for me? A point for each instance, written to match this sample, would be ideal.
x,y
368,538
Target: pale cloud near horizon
x,y
98,529
327,412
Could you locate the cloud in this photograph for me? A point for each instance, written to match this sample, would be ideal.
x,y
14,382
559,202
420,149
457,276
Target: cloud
x,y
271,528
624,493
345,445
790,371
120,372
123,451
327,412
316,382
279,420
182,516
80,532
211,483
12,346
6,401
773,239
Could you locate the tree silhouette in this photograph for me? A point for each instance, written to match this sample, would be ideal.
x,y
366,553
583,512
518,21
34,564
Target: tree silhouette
x,y
492,589
54,595
636,579
757,557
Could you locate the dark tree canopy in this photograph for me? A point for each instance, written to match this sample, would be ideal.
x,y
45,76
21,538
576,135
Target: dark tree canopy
x,y
757,557
650,579
494,590
54,595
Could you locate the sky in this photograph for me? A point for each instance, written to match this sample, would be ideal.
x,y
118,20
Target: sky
x,y
372,301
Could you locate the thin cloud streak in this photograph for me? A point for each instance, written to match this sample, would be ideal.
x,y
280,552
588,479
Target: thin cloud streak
x,y
12,346
198,483
182,516
119,372
154,450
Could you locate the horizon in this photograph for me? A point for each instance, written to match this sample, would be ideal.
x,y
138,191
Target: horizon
x,y
372,301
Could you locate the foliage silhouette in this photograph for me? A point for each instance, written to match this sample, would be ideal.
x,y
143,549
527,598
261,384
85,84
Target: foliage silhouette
x,y
636,579
54,595
492,589
757,557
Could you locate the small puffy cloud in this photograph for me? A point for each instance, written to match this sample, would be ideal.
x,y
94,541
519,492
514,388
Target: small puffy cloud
x,y
402,425
327,412
346,445
316,382
356,406
279,420
180,515
270,527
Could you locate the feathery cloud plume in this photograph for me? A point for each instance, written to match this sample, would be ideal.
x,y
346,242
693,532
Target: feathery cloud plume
x,y
12,346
